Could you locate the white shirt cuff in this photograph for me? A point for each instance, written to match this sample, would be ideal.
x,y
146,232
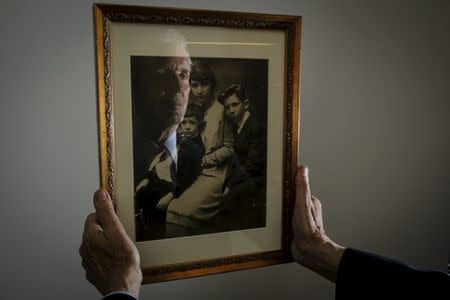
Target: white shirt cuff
x,y
120,292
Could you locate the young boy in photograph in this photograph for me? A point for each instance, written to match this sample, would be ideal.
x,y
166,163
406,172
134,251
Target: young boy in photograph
x,y
192,124
190,128
165,181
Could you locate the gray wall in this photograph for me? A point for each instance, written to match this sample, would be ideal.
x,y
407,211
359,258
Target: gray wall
x,y
374,131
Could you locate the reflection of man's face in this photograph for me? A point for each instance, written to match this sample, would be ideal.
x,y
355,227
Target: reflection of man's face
x,y
235,108
173,89
200,92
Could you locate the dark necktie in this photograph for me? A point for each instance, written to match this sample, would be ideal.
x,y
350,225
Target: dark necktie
x,y
173,168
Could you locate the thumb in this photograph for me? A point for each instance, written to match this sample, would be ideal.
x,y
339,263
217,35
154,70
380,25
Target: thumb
x,y
302,190
106,215
302,212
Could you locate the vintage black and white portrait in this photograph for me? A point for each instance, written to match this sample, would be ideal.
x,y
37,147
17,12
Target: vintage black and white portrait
x,y
198,137
199,145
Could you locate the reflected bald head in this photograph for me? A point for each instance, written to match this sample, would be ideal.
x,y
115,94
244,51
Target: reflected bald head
x,y
173,44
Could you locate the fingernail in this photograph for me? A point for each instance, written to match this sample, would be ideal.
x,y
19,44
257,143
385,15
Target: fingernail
x,y
100,195
303,170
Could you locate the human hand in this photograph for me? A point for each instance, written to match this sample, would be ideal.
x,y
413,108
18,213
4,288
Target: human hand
x,y
207,161
311,247
163,203
109,257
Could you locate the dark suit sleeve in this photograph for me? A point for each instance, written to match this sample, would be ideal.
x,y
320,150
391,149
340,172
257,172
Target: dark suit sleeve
x,y
189,160
363,275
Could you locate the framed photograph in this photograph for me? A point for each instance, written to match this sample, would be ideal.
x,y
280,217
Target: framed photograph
x,y
198,131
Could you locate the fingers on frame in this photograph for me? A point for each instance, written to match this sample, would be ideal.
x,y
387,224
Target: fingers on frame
x,y
87,264
106,214
302,184
317,211
84,265
90,278
91,227
303,202
85,257
91,222
302,190
317,205
82,250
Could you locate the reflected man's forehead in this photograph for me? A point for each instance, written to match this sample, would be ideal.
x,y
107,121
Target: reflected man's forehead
x,y
180,63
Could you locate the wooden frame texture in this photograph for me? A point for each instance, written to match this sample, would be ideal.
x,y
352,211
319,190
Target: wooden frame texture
x,y
104,15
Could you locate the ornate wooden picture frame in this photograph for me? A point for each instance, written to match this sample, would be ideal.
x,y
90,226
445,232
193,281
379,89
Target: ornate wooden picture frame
x,y
249,65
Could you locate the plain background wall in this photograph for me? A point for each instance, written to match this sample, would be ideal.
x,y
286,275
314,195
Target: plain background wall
x,y
374,131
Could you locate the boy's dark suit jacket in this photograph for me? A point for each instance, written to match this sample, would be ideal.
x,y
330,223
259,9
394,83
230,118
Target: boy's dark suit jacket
x,y
250,146
244,205
364,276
189,160
250,149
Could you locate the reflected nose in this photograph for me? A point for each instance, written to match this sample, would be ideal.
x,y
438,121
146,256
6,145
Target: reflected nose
x,y
179,85
182,86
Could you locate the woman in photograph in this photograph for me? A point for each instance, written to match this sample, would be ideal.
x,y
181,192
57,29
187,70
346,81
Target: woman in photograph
x,y
201,202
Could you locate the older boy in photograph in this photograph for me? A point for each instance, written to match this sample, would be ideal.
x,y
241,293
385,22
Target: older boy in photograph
x,y
245,202
250,134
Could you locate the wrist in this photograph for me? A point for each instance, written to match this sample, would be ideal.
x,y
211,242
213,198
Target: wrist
x,y
323,257
134,281
130,283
